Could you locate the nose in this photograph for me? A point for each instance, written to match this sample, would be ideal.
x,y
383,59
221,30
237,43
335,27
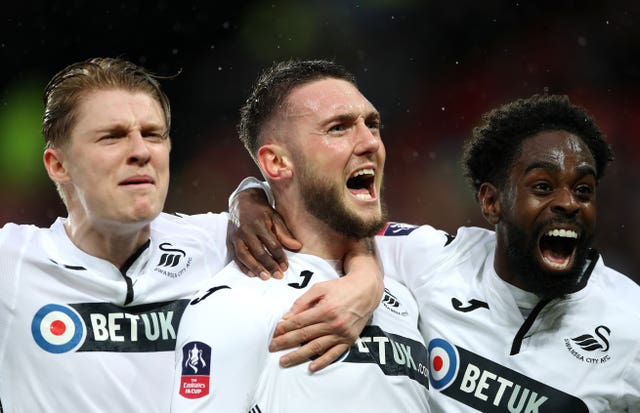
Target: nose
x,y
368,140
139,152
565,202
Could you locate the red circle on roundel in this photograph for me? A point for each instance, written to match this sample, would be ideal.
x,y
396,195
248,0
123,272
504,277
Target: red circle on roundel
x,y
437,363
57,328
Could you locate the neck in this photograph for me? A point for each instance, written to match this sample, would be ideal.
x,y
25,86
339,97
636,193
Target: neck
x,y
111,242
501,264
317,238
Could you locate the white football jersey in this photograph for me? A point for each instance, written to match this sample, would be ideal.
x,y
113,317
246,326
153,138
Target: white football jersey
x,y
78,334
577,354
223,363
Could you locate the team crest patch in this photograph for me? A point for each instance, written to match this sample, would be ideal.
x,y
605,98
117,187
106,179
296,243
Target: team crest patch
x,y
396,228
196,367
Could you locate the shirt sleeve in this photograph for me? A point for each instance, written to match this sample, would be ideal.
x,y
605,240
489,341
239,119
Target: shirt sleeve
x,y
221,350
251,182
408,254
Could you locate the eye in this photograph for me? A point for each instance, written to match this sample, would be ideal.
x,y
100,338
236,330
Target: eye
x,y
337,129
374,124
110,137
154,135
542,187
585,191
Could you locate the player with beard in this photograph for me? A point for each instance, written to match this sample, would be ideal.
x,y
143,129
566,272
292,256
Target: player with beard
x,y
317,141
527,318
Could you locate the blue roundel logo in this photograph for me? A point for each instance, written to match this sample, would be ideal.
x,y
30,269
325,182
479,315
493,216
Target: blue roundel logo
x,y
443,363
56,328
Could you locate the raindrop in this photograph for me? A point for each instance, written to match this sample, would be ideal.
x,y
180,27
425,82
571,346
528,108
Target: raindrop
x,y
582,41
174,51
225,25
442,108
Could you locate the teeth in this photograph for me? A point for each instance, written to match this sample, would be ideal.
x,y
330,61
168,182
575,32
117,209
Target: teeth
x,y
363,172
558,265
363,196
565,233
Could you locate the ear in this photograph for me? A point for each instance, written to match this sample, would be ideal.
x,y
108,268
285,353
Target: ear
x,y
54,164
275,162
489,199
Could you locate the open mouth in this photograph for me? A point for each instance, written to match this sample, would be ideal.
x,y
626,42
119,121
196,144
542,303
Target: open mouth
x,y
558,248
361,184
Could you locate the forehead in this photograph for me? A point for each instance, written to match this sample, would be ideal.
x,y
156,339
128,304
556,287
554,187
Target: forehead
x,y
104,108
560,148
326,97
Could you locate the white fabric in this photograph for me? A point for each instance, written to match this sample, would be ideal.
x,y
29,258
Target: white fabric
x,y
68,341
223,363
555,370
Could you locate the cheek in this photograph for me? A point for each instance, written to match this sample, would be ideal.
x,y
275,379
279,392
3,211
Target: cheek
x,y
161,158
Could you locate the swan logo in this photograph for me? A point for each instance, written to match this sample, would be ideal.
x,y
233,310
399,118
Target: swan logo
x,y
590,348
173,262
392,304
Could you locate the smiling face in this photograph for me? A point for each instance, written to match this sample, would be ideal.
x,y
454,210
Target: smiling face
x,y
547,214
115,168
333,133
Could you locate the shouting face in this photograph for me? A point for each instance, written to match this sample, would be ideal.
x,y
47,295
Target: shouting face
x,y
547,214
333,132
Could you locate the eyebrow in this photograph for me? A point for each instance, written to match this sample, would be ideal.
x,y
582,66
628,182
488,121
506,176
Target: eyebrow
x,y
582,170
121,128
351,116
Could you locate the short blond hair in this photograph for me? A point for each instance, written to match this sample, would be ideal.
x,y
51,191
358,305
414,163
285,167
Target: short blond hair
x,y
64,90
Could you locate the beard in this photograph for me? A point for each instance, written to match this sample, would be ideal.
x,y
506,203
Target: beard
x,y
324,200
521,252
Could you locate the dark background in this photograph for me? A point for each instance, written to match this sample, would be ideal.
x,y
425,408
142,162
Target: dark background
x,y
431,68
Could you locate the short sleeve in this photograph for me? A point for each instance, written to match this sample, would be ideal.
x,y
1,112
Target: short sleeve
x,y
408,252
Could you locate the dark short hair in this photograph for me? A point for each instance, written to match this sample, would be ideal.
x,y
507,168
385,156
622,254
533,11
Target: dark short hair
x,y
272,88
496,142
64,90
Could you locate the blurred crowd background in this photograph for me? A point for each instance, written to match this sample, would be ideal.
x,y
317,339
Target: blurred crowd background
x,y
431,68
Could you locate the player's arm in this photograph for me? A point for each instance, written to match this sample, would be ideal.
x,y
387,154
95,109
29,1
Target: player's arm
x,y
329,317
220,352
256,233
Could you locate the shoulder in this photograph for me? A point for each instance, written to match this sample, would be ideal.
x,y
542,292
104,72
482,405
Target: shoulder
x,y
207,230
428,236
13,236
620,290
232,305
412,248
176,222
233,292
